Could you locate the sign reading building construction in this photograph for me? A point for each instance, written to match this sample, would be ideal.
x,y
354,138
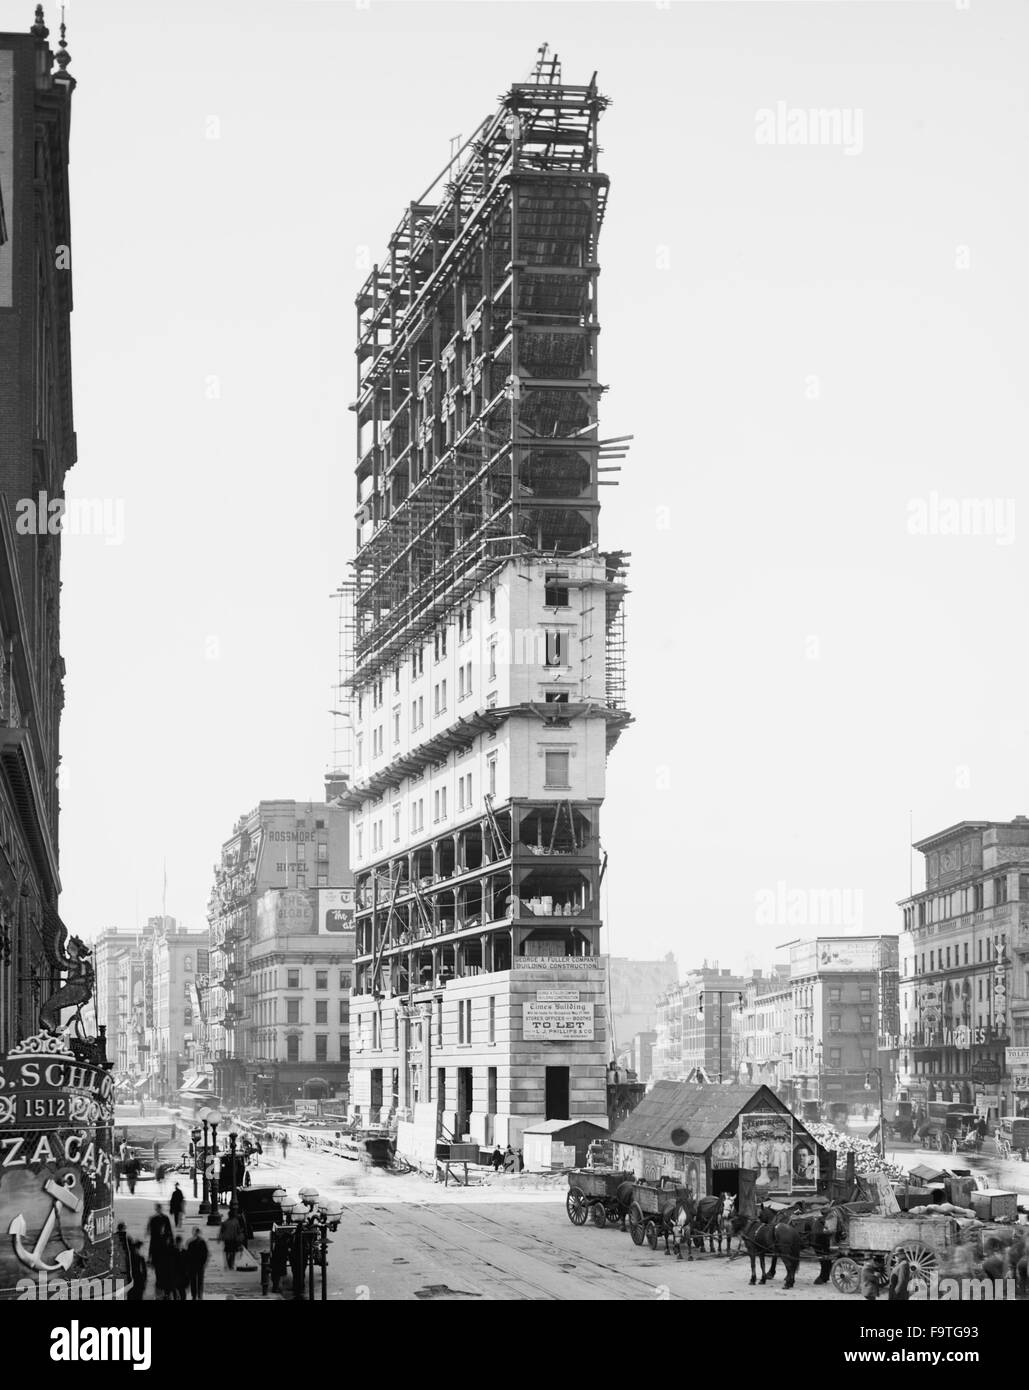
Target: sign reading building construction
x,y
555,1022
56,1197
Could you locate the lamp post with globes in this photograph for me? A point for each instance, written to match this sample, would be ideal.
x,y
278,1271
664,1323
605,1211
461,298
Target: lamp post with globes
x,y
210,1118
195,1141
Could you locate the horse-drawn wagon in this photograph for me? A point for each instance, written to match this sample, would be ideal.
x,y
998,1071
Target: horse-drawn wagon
x,y
921,1240
593,1196
653,1209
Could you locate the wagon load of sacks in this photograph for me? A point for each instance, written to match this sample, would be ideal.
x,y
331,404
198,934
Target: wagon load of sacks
x,y
867,1158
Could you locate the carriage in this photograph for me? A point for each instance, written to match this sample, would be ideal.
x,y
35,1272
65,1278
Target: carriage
x,y
653,1208
921,1240
593,1196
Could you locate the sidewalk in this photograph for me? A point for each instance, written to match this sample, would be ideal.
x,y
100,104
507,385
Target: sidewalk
x,y
220,1284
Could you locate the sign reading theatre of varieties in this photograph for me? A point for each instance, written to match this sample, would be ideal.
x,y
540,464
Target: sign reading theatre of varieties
x,y
556,1020
56,1212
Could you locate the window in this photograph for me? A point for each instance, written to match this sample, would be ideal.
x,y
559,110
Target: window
x,y
344,979
360,841
417,815
417,663
464,792
396,725
556,593
557,649
344,1046
966,953
440,803
492,603
439,1022
396,1030
834,1023
376,1032
377,745
835,995
187,1016
555,697
948,957
359,748
491,772
866,1056
360,704
292,1010
440,697
865,996
396,822
321,1011
377,693
186,990
464,681
293,1048
418,712
396,679
440,644
866,1023
321,1047
835,1056
323,850
464,1021
492,1018
493,661
321,979
556,769
292,979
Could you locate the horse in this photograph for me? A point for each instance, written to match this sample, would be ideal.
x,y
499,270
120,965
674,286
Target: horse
x,y
776,1239
725,1217
625,1194
709,1221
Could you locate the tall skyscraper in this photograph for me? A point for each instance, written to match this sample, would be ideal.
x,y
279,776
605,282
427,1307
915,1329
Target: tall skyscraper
x,y
488,642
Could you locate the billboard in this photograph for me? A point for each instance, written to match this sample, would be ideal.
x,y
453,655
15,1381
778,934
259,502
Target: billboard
x,y
56,1190
6,178
837,953
336,914
553,1021
284,912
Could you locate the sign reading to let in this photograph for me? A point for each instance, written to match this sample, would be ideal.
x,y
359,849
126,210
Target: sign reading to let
x,y
556,1022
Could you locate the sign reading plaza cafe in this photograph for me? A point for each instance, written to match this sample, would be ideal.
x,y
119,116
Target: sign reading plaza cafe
x,y
56,1191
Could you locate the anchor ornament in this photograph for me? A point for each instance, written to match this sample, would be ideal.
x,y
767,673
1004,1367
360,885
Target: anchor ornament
x,y
33,1259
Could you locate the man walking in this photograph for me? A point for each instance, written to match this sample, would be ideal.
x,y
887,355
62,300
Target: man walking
x,y
175,1206
180,1271
231,1237
159,1230
196,1262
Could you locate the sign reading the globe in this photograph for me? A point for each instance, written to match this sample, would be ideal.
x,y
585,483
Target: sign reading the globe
x,y
293,914
556,1022
56,1198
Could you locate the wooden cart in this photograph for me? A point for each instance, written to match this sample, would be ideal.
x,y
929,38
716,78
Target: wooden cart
x,y
918,1239
593,1195
653,1210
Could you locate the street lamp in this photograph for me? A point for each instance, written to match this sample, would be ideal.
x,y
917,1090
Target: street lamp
x,y
195,1137
214,1119
878,1072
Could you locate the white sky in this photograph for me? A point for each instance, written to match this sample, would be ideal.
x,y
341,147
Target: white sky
x,y
804,671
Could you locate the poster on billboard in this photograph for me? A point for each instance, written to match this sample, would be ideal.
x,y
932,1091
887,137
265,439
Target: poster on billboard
x,y
336,914
56,1189
556,1022
6,178
766,1144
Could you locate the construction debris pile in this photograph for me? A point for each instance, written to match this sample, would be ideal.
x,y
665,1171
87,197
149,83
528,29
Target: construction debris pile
x,y
867,1158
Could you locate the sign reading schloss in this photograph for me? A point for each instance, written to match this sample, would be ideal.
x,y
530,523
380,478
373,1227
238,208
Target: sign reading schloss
x,y
555,1022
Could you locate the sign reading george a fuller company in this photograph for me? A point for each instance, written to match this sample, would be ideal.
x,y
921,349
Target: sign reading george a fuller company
x,y
56,1212
557,1022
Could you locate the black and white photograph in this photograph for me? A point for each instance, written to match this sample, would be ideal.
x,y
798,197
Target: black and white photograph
x,y
426,876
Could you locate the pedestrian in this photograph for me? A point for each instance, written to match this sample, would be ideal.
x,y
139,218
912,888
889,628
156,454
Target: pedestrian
x,y
180,1271
900,1279
138,1270
519,1162
159,1230
175,1206
230,1233
982,1127
497,1160
157,1152
509,1159
246,1178
196,1261
258,1151
131,1174
119,1174
122,1254
284,1141
870,1272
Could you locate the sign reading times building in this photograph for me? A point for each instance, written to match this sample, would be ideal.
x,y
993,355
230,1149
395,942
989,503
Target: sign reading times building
x,y
56,1212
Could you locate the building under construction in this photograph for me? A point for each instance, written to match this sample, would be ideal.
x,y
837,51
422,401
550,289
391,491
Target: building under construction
x,y
487,679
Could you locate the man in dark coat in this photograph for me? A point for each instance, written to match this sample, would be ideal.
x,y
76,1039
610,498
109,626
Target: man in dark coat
x,y
196,1262
180,1271
159,1230
138,1271
175,1206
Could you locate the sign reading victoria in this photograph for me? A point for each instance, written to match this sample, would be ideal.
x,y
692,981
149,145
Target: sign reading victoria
x,y
56,1191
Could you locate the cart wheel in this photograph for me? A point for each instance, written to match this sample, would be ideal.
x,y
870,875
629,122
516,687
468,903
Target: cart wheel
x,y
845,1275
636,1223
578,1207
921,1258
651,1234
598,1214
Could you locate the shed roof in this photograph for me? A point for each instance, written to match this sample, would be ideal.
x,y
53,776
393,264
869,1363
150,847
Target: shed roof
x,y
702,1111
559,1126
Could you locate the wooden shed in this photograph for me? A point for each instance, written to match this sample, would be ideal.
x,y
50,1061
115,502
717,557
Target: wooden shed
x,y
558,1144
714,1139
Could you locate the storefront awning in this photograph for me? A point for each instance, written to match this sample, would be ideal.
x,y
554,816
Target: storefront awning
x,y
196,1083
